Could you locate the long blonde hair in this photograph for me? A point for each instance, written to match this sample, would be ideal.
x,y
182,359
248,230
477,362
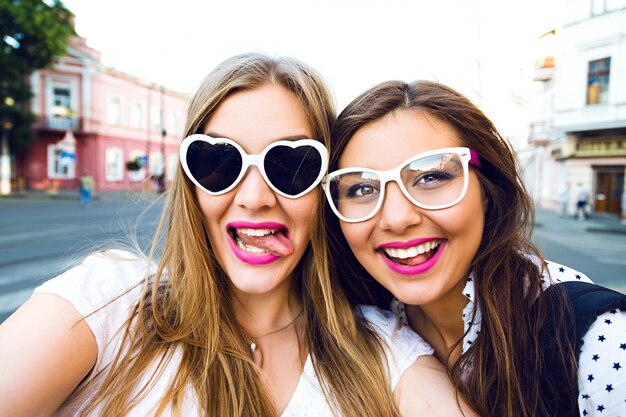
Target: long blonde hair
x,y
189,312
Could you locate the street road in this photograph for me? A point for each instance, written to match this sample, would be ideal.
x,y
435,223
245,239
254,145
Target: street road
x,y
596,247
39,238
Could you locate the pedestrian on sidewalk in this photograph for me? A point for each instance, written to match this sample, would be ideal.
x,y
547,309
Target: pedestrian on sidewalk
x,y
564,199
623,207
581,203
86,188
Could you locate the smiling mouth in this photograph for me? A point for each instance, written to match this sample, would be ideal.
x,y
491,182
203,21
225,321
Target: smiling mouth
x,y
413,255
262,241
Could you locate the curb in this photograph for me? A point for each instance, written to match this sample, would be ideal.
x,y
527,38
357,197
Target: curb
x,y
594,225
614,230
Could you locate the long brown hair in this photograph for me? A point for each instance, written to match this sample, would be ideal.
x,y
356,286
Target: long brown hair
x,y
186,309
503,373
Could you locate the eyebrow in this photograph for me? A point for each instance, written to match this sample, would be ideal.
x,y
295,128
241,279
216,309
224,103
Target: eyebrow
x,y
292,137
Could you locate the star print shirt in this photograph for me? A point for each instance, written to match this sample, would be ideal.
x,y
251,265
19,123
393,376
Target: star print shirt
x,y
602,360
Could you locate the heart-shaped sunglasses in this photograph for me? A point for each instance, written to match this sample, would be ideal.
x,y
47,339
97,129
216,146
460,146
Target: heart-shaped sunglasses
x,y
217,165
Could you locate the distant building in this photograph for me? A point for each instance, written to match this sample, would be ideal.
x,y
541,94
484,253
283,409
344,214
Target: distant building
x,y
578,136
95,119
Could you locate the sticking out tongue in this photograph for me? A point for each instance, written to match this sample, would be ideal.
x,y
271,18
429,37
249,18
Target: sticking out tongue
x,y
276,243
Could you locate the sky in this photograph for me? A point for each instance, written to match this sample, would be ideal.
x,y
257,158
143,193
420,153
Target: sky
x,y
484,48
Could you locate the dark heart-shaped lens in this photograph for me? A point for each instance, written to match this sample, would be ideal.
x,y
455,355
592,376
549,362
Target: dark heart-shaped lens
x,y
215,167
293,170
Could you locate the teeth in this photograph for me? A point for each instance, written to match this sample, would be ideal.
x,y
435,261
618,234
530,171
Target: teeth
x,y
248,248
255,232
412,251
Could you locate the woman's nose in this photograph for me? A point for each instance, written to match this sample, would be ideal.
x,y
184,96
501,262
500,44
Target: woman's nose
x,y
253,192
397,213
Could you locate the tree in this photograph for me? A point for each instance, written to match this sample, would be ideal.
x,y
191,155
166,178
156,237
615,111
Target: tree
x,y
33,33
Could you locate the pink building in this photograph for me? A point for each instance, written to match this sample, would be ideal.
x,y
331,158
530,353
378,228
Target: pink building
x,y
96,119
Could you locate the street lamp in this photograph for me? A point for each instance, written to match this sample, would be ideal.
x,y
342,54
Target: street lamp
x,y
5,158
161,177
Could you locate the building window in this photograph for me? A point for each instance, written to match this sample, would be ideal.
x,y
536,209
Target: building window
x,y
155,119
172,123
61,163
598,81
136,116
172,165
114,168
156,163
61,115
61,102
114,111
139,175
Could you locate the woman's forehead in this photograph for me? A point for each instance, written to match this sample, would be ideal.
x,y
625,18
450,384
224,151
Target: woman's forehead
x,y
387,142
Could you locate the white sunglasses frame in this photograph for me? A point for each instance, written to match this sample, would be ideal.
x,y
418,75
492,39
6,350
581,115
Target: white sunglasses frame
x,y
393,175
253,160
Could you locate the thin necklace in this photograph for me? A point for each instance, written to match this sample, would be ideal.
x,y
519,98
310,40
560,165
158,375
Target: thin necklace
x,y
252,344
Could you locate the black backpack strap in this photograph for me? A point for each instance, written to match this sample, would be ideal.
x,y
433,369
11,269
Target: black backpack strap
x,y
588,302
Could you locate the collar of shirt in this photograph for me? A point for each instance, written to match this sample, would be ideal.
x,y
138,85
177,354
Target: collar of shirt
x,y
471,312
471,315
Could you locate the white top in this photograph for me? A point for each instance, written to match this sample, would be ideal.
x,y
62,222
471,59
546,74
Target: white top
x,y
106,275
601,373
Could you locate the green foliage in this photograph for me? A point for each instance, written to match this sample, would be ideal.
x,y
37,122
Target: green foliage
x,y
39,29
33,33
21,134
133,165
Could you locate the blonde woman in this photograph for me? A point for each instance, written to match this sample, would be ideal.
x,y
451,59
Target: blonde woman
x,y
240,316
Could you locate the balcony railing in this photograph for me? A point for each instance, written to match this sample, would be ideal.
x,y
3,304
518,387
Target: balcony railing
x,y
59,123
540,132
544,68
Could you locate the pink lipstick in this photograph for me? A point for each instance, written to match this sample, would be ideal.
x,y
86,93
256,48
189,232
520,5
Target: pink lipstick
x,y
270,237
412,269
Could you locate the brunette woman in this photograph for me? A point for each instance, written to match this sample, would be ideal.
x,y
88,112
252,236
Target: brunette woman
x,y
427,196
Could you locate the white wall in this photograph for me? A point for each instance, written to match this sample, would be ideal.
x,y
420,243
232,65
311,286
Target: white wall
x,y
583,41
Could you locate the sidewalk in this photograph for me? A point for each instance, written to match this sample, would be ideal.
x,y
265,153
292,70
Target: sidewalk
x,y
66,195
596,223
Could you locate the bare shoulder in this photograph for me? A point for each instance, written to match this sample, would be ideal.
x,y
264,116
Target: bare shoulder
x,y
426,390
46,349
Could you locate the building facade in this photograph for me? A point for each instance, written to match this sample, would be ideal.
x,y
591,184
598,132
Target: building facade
x,y
100,121
578,136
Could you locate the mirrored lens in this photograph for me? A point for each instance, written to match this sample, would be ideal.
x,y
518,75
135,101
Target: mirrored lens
x,y
355,194
292,170
435,180
215,167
